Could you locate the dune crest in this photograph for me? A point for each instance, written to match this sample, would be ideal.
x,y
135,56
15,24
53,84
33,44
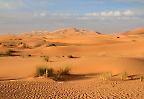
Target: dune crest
x,y
137,31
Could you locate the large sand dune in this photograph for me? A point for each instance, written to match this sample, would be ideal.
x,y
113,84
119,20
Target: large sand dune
x,y
96,52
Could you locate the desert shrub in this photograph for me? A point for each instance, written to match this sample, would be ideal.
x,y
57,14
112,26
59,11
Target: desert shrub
x,y
59,75
46,58
124,76
106,76
49,72
40,71
44,71
9,52
64,71
62,74
141,78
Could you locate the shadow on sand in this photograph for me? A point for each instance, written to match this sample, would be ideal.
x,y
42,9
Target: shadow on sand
x,y
73,77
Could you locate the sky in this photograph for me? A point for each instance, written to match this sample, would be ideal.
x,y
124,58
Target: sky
x,y
99,15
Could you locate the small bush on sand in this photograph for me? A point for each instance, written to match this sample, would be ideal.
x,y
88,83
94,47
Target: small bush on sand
x,y
59,75
64,71
106,76
44,71
40,71
141,78
62,74
124,76
46,58
49,72
9,52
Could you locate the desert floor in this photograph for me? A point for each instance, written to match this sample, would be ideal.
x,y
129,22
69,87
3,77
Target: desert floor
x,y
94,54
85,89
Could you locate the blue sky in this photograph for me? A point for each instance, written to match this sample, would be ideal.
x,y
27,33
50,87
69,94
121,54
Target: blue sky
x,y
100,15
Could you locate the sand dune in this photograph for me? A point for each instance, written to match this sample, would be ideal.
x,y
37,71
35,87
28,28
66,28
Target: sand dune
x,y
137,31
90,46
96,53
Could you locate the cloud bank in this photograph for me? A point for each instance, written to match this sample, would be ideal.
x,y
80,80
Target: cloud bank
x,y
111,13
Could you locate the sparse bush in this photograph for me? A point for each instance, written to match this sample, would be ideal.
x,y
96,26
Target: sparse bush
x,y
40,71
43,71
124,75
62,74
59,75
106,76
64,71
141,78
9,52
49,72
46,58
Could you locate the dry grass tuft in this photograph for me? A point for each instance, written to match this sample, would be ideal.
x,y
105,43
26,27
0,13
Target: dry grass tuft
x,y
106,76
124,76
44,71
141,78
59,75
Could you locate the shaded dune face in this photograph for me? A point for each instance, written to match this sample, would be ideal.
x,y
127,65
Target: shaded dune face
x,y
96,52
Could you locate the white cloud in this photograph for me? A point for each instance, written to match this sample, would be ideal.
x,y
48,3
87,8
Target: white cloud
x,y
117,13
92,14
111,13
103,15
63,14
40,14
128,13
43,14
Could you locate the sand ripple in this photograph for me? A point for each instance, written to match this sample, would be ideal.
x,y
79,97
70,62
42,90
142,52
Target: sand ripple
x,y
84,89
